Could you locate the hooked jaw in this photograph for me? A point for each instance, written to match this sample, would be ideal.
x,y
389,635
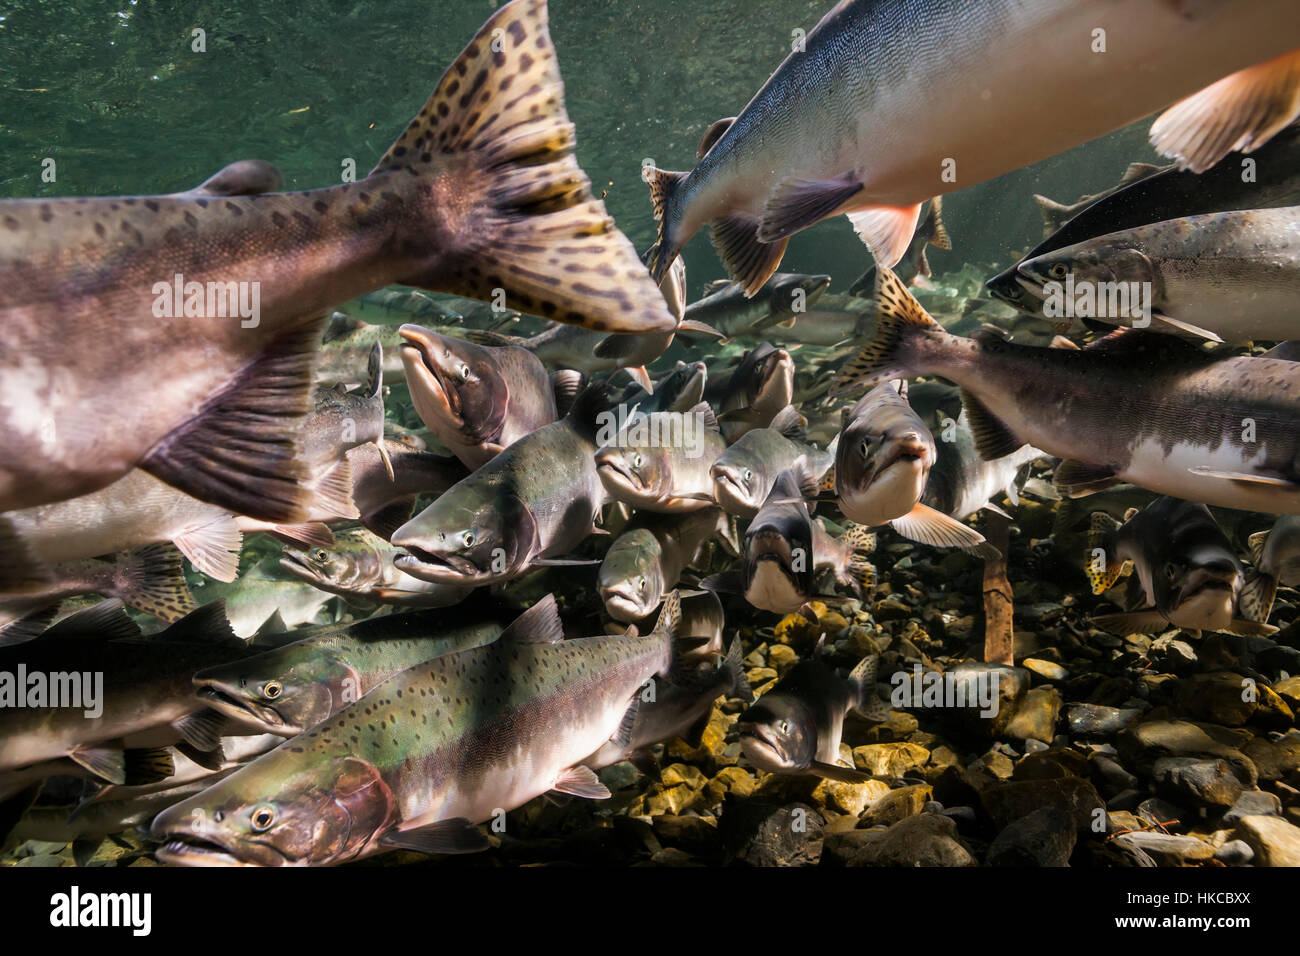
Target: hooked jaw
x,y
730,490
428,377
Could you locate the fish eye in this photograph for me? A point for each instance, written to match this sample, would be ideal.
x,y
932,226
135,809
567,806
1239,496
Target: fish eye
x,y
1059,270
1014,292
272,689
322,554
747,475
637,460
464,372
1171,571
468,539
641,584
262,817
783,726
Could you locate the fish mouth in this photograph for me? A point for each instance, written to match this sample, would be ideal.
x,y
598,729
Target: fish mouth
x,y
814,287
730,493
300,566
761,748
903,451
182,848
425,376
241,708
437,568
622,605
614,471
778,380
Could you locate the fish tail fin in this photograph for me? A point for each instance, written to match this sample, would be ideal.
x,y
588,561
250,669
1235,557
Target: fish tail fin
x,y
1240,112
863,679
939,237
1064,514
734,662
859,542
152,580
1104,567
1257,595
1054,214
664,185
900,320
496,136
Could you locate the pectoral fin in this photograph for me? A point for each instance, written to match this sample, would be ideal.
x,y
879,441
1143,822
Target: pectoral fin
x,y
842,774
935,528
581,782
457,835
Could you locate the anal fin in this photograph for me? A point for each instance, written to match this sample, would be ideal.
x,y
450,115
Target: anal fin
x,y
886,230
581,782
240,450
457,835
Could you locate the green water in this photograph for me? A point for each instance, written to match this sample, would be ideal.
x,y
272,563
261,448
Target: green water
x,y
115,94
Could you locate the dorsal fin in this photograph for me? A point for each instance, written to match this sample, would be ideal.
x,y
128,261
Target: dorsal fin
x,y
106,621
790,423
712,135
207,624
717,285
540,624
705,411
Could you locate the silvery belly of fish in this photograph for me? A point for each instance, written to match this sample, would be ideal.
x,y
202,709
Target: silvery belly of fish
x,y
890,102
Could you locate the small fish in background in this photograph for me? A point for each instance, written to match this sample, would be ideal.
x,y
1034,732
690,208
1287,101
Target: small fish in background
x,y
287,689
341,420
744,474
1055,214
344,357
785,548
1170,194
383,501
477,399
833,130
780,303
266,601
679,390
680,708
415,304
358,783
1225,277
1276,556
1134,406
755,392
883,464
528,507
1186,572
796,727
648,559
359,568
142,687
150,580
641,469
913,266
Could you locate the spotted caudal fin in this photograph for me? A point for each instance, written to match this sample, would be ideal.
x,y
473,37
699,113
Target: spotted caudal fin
x,y
490,156
734,666
1257,596
863,679
1241,112
900,319
1104,566
152,580
859,542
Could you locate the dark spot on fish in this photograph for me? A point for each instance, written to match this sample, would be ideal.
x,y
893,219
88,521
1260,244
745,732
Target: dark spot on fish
x,y
46,212
151,205
233,207
279,219
11,224
190,220
321,206
201,203
99,230
114,206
